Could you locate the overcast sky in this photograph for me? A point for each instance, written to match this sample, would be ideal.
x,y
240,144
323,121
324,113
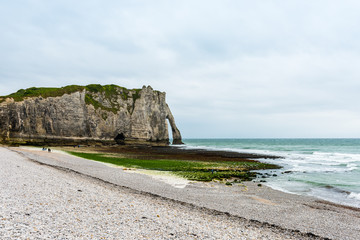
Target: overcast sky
x,y
230,68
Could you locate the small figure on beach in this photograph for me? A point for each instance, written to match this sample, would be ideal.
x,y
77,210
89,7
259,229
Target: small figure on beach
x,y
49,150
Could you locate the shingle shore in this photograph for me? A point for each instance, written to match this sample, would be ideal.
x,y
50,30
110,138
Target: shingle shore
x,y
43,202
39,202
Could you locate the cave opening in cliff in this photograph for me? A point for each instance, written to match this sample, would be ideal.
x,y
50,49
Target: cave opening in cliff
x,y
120,139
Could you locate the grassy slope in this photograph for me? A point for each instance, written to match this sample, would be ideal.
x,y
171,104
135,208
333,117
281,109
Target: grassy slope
x,y
192,170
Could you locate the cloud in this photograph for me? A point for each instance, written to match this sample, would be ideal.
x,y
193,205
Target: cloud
x,y
239,68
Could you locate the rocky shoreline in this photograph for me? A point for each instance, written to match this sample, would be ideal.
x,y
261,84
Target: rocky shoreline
x,y
203,210
171,152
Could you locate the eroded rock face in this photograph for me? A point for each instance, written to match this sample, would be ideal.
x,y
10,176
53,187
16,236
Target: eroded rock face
x,y
89,115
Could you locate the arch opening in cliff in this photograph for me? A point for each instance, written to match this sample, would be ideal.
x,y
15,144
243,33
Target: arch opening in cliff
x,y
120,139
176,136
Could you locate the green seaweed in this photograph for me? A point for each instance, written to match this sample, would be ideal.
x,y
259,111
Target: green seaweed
x,y
192,170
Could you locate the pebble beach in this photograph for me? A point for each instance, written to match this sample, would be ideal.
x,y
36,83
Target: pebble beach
x,y
56,196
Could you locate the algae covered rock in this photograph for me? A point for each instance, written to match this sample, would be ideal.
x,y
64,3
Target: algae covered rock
x,y
89,114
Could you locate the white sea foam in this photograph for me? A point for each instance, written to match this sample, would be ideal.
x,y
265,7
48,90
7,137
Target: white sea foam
x,y
326,168
354,196
302,162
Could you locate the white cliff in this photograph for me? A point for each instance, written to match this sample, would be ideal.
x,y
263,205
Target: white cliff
x,y
86,114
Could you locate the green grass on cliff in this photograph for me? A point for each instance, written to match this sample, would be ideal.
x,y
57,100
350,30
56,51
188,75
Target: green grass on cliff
x,y
111,92
108,90
191,170
43,92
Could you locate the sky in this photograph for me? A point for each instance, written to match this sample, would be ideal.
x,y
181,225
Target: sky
x,y
230,68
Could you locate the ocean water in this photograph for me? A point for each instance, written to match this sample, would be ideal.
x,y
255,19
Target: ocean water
x,y
328,169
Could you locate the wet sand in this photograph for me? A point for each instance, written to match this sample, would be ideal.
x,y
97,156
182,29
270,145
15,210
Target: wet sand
x,y
264,210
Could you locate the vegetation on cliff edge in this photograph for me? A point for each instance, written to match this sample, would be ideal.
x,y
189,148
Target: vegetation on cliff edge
x,y
110,92
21,94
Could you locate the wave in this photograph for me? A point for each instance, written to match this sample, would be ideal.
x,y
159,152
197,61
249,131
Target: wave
x,y
329,172
294,161
335,188
354,195
231,149
337,194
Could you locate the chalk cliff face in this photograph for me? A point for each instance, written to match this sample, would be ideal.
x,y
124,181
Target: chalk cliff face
x,y
90,114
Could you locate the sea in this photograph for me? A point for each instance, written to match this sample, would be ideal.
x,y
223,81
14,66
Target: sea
x,y
328,169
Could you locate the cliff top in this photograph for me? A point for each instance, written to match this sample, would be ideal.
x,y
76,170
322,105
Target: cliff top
x,y
108,90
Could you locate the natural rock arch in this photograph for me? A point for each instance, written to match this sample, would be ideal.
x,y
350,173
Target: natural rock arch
x,y
175,131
